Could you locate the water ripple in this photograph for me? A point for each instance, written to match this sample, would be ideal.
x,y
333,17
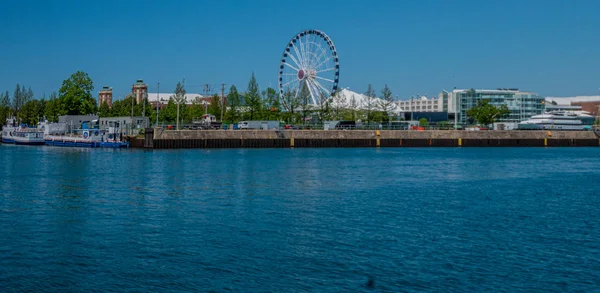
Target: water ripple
x,y
326,220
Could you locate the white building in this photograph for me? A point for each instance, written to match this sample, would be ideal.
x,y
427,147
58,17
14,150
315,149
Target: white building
x,y
423,104
163,98
567,101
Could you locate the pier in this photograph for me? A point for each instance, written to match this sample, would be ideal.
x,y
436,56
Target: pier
x,y
159,138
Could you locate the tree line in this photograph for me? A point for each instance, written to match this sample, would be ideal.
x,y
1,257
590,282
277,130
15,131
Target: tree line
x,y
75,98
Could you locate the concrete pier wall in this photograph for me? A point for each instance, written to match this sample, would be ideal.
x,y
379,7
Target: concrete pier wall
x,y
368,134
160,138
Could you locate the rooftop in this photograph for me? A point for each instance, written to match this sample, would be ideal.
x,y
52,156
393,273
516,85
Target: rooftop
x,y
569,100
164,97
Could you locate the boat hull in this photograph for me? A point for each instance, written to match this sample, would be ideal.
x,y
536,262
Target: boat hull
x,y
22,142
79,144
114,145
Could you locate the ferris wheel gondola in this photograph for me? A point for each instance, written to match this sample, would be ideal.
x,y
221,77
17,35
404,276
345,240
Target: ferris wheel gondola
x,y
310,63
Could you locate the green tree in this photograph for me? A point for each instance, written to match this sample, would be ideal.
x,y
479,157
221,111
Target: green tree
x,y
444,125
271,103
32,111
386,103
5,107
196,110
75,95
117,108
291,103
104,110
354,107
20,97
423,122
169,113
52,109
486,114
179,100
215,105
253,98
305,98
370,103
233,105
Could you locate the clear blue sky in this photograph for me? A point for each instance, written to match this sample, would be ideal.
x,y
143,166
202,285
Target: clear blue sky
x,y
416,47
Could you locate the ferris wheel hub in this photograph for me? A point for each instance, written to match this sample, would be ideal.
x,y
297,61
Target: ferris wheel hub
x,y
301,74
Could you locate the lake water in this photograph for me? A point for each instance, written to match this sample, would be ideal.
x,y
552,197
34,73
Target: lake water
x,y
298,220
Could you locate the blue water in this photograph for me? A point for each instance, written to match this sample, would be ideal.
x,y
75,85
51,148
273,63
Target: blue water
x,y
300,220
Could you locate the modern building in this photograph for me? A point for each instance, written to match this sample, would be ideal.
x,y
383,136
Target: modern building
x,y
105,96
139,90
522,105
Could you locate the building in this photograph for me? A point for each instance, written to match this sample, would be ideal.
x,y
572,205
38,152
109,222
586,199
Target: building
x,y
591,106
586,103
423,104
550,107
162,99
522,105
127,124
105,96
76,121
429,116
139,90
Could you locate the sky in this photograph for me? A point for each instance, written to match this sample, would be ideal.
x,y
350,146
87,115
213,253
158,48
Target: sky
x,y
415,47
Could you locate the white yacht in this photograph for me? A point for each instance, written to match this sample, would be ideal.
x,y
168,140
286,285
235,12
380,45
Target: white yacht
x,y
559,120
21,134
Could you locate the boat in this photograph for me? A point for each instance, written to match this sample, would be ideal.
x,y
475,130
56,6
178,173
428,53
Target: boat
x,y
21,134
559,120
88,138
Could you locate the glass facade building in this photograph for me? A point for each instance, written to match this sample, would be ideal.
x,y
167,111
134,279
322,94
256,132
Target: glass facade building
x,y
522,105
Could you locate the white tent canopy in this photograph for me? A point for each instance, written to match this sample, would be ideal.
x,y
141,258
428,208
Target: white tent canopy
x,y
344,100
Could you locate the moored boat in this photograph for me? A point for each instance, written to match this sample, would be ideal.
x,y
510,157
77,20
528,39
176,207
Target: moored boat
x,y
21,134
559,120
87,138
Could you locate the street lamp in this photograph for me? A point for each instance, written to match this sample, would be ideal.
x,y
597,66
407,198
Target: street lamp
x,y
157,102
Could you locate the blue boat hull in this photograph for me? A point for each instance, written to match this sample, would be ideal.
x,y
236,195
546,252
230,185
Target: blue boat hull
x,y
12,141
114,145
72,144
90,144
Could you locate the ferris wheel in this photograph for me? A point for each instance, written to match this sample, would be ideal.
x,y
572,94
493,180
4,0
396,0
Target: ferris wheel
x,y
310,63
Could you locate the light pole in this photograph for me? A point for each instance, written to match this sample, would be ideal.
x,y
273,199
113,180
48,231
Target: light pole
x,y
157,102
144,104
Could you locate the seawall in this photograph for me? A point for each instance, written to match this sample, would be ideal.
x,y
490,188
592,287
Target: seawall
x,y
160,138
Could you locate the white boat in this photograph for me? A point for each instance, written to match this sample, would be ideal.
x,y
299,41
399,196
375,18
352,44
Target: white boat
x,y
559,120
89,138
21,134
